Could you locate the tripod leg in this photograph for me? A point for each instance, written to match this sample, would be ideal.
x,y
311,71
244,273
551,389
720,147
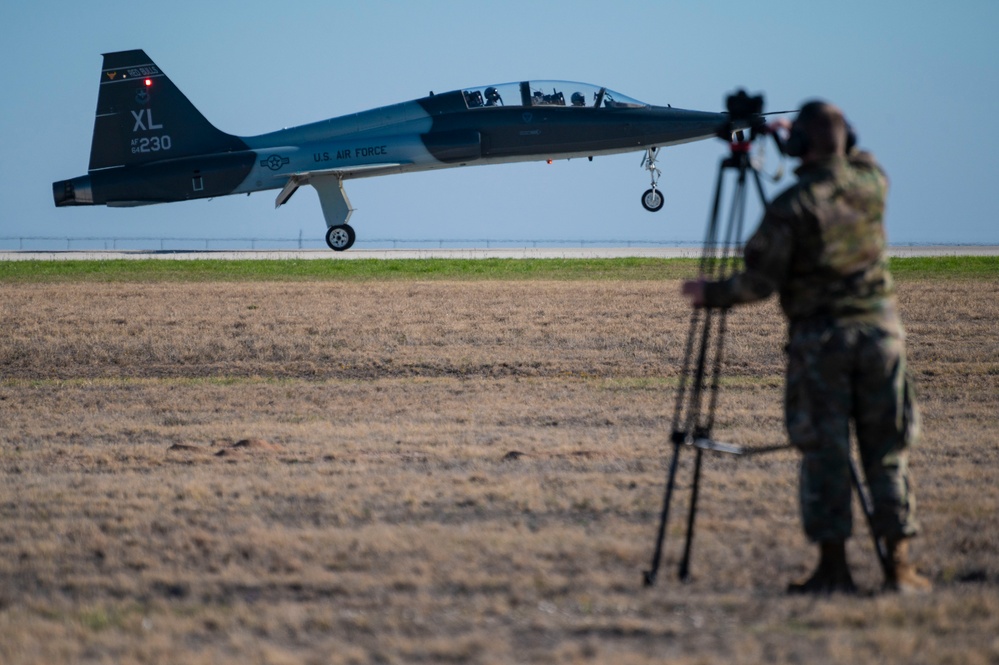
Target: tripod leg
x,y
650,575
868,508
685,563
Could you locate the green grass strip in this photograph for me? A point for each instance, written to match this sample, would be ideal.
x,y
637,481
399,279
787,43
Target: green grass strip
x,y
157,270
931,267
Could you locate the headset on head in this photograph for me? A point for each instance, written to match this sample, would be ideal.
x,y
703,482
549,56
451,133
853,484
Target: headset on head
x,y
797,144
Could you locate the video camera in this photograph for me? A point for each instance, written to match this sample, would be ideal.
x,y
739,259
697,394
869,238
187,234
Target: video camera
x,y
743,107
745,111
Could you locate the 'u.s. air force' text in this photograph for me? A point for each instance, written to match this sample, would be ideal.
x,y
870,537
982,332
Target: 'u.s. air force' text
x,y
350,153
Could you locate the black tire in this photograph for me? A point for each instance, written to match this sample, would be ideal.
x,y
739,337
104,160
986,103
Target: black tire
x,y
340,237
653,200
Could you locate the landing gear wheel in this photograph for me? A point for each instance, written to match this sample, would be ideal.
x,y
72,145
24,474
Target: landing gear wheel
x,y
341,237
652,200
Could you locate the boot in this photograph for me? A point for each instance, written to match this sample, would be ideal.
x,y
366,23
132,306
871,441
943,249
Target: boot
x,y
832,574
903,576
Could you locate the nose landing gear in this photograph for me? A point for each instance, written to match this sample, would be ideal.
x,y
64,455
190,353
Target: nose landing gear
x,y
652,199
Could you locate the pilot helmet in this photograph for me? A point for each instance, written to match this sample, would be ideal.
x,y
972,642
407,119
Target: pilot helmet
x,y
492,94
578,99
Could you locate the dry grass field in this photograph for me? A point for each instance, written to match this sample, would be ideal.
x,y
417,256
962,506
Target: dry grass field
x,y
390,471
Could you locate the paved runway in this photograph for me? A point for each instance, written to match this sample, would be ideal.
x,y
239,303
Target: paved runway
x,y
690,251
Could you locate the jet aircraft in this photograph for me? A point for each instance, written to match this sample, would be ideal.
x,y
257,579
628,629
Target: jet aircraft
x,y
151,145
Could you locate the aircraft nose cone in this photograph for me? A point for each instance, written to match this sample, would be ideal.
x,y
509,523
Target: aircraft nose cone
x,y
684,125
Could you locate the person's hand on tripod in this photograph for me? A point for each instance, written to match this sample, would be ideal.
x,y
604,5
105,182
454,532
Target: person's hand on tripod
x,y
694,291
779,125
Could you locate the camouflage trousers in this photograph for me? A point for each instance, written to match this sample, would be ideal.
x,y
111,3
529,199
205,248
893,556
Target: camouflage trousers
x,y
843,373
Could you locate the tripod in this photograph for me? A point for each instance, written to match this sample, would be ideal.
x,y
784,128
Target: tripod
x,y
697,395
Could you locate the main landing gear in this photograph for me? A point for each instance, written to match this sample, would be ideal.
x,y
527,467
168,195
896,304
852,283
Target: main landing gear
x,y
340,237
652,199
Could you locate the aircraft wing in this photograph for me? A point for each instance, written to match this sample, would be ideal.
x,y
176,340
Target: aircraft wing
x,y
296,180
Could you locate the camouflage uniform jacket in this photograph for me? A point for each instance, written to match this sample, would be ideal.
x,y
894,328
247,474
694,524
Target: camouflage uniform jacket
x,y
821,244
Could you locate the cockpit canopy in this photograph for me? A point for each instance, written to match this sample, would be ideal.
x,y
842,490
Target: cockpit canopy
x,y
547,93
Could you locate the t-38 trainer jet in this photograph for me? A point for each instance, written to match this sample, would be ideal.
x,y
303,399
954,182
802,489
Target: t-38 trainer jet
x,y
151,145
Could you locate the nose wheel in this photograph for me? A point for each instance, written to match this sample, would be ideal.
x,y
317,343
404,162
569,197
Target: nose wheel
x,y
652,199
340,237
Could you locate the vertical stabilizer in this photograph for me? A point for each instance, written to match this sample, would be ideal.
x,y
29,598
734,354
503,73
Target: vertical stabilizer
x,y
143,117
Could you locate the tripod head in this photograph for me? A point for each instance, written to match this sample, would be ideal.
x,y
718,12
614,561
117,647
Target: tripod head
x,y
744,112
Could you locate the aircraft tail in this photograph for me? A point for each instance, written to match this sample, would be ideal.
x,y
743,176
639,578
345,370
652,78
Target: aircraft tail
x,y
143,117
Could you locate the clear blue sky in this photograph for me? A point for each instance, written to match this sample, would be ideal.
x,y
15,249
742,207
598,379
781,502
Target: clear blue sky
x,y
917,79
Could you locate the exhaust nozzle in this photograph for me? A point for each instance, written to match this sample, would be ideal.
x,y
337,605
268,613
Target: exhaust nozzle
x,y
75,192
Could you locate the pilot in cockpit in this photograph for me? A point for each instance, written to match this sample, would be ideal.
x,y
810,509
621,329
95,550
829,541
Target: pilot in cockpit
x,y
493,97
578,99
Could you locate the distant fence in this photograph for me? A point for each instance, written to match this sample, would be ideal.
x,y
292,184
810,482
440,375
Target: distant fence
x,y
52,243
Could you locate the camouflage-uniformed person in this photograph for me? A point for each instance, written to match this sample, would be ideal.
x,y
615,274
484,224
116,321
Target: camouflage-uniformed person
x,y
821,245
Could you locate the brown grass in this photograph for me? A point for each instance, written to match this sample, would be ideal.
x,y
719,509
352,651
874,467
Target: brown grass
x,y
320,473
